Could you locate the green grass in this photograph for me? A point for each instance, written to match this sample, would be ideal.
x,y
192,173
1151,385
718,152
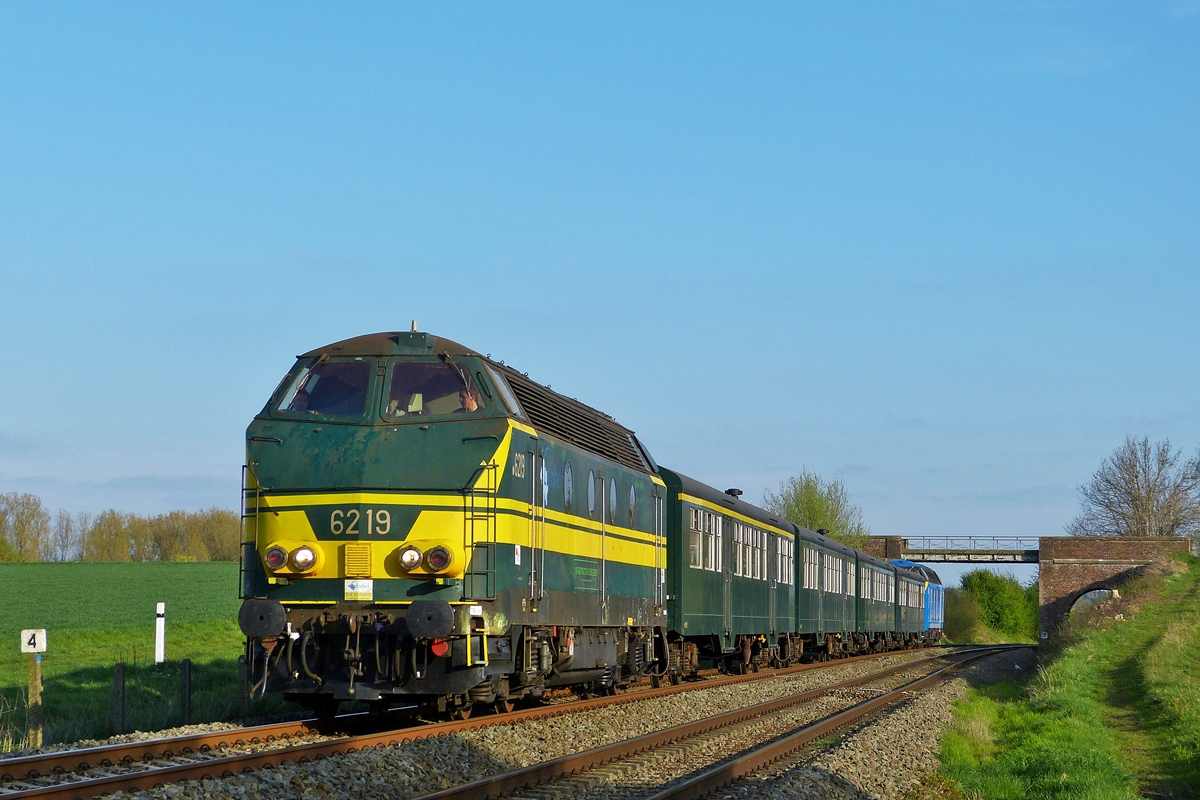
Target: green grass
x,y
1113,713
97,614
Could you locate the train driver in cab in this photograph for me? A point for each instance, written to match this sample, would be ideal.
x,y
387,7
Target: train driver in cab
x,y
467,400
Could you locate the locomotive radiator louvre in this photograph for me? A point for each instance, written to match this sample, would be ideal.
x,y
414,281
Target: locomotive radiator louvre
x,y
571,420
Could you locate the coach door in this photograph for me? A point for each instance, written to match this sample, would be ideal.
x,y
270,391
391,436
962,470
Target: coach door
x,y
772,578
537,524
660,556
727,571
821,567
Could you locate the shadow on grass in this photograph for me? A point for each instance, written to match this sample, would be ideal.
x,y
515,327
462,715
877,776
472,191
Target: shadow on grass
x,y
1176,769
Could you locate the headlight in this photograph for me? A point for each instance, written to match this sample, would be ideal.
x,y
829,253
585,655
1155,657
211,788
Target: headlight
x,y
304,558
438,559
410,557
276,557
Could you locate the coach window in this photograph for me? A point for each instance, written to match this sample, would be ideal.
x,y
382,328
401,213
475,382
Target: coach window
x,y
632,504
708,540
612,500
736,546
762,557
568,489
718,541
694,538
784,561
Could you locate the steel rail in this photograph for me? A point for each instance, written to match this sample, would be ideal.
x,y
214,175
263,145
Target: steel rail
x,y
110,755
535,774
224,766
724,774
59,762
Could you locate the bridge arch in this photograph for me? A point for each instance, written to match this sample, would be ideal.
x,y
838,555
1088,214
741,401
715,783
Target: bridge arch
x,y
1068,567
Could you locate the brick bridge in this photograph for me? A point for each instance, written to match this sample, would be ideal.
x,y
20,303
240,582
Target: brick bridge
x,y
1067,566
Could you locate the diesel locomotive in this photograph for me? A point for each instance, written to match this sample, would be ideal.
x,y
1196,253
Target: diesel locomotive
x,y
424,525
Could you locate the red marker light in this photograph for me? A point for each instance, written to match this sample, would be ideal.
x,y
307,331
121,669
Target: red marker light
x,y
438,558
440,647
276,557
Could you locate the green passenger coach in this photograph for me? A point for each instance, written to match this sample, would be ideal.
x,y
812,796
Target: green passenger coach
x,y
732,592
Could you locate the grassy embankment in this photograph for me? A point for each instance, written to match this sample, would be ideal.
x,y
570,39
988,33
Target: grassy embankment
x,y
1113,713
97,614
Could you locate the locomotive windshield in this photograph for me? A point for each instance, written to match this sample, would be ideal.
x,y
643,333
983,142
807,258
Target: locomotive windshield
x,y
329,389
423,388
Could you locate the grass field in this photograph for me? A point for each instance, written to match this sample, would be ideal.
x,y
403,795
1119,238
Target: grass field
x,y
1114,712
98,614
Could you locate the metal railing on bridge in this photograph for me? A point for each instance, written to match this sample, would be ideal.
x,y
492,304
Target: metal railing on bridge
x,y
971,549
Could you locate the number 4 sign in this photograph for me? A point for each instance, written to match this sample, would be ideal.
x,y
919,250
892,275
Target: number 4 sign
x,y
33,640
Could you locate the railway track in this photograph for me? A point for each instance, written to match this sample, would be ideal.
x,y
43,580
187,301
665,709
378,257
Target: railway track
x,y
96,771
570,777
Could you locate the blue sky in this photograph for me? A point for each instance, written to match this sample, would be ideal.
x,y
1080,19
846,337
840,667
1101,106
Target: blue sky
x,y
945,252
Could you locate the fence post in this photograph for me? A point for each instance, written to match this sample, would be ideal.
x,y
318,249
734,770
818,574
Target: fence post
x,y
119,697
34,710
185,690
160,633
244,683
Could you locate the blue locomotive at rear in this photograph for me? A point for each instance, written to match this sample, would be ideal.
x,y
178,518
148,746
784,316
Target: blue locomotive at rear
x,y
933,619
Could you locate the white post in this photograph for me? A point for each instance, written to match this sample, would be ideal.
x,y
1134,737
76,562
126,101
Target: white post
x,y
160,633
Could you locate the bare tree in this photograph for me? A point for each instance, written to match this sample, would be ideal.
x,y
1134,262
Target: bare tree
x,y
1141,491
65,536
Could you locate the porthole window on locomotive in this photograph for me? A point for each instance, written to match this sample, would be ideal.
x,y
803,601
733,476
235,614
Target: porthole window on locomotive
x,y
591,494
612,501
632,505
568,488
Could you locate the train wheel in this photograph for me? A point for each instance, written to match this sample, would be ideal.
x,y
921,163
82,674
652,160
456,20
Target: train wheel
x,y
676,678
462,712
655,681
503,706
325,707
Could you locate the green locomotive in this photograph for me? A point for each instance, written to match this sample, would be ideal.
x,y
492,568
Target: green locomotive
x,y
425,525
428,525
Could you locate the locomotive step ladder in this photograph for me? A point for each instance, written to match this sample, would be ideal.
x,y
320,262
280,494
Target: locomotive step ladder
x,y
479,534
251,495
